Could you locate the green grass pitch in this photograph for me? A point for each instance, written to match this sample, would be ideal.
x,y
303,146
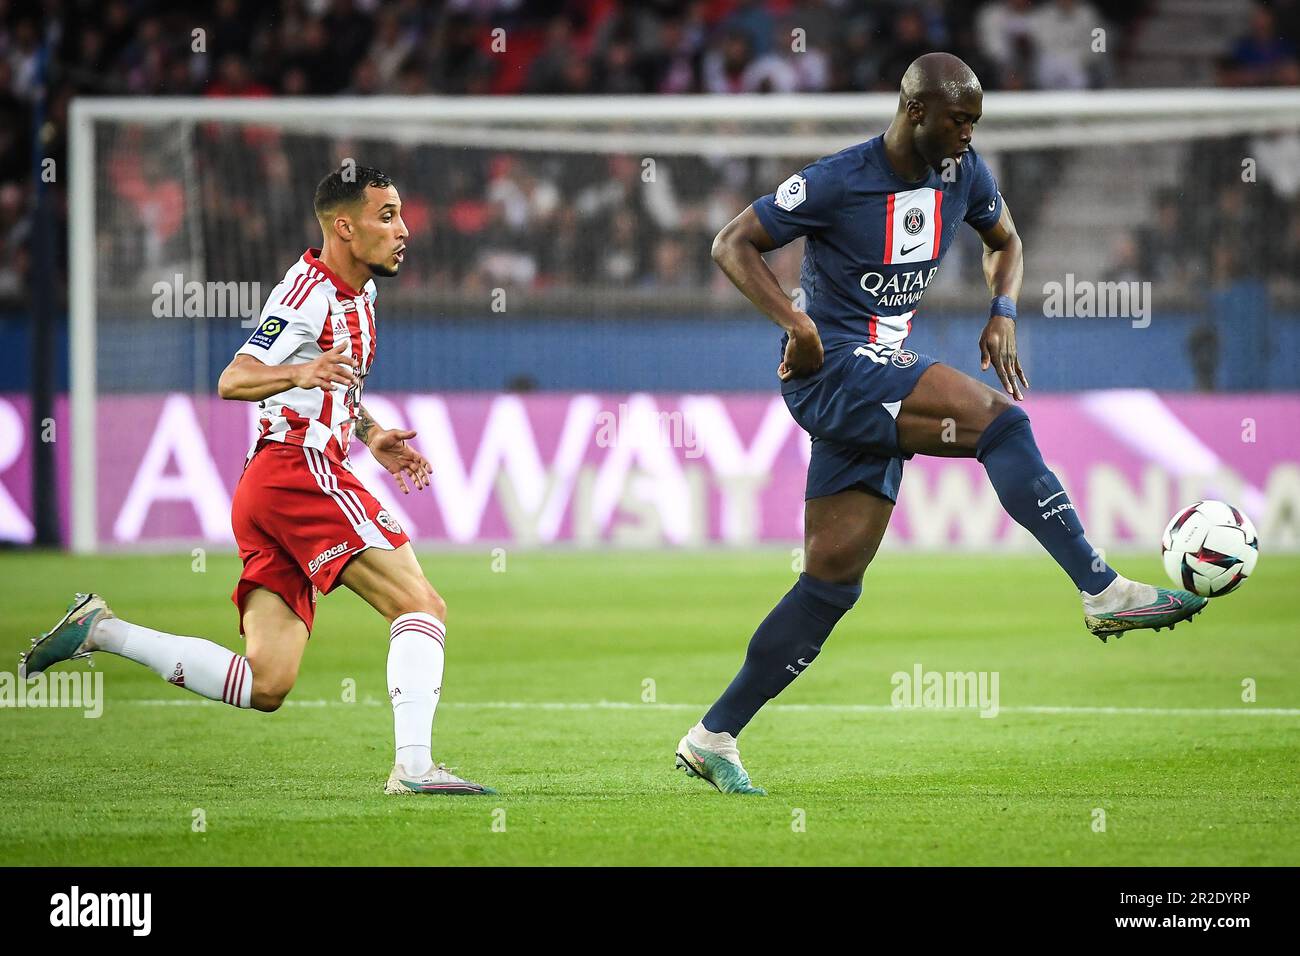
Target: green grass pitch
x,y
543,698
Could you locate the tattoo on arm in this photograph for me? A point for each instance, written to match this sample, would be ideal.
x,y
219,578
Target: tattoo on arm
x,y
363,425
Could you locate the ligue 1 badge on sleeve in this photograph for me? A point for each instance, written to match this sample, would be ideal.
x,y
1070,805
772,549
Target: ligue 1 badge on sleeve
x,y
792,192
904,358
268,331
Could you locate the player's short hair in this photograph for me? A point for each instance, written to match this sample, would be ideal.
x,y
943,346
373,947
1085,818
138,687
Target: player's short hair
x,y
347,185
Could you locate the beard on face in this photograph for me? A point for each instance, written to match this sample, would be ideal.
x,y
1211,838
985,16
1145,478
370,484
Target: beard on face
x,y
936,155
379,269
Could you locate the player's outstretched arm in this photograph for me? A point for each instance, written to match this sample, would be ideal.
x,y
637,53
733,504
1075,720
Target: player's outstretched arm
x,y
1004,268
738,250
390,449
249,379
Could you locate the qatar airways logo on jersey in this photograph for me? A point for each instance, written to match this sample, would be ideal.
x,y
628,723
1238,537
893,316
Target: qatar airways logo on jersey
x,y
900,290
175,298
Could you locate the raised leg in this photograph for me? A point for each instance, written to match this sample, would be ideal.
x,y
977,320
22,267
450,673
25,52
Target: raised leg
x,y
275,639
953,415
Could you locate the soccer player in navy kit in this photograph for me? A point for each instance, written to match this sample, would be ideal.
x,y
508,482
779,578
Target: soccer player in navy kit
x,y
878,218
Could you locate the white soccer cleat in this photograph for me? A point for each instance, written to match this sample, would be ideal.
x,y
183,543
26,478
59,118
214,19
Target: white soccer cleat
x,y
438,780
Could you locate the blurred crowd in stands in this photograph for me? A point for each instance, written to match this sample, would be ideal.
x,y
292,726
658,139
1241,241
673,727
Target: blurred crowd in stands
x,y
525,218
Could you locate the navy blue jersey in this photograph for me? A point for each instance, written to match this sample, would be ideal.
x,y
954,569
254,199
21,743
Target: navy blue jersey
x,y
874,240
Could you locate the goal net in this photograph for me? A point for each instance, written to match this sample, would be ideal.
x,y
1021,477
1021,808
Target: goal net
x,y
561,246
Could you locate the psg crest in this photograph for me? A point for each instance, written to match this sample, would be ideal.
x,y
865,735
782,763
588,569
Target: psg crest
x,y
904,358
913,221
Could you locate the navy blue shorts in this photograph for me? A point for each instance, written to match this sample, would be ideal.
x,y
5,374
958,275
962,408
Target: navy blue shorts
x,y
849,406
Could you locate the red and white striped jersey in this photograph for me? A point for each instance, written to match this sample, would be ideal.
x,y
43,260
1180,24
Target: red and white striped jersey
x,y
308,313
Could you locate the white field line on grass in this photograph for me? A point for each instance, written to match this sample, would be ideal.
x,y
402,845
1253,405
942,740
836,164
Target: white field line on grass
x,y
793,708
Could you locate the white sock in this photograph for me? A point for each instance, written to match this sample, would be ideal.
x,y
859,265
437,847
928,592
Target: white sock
x,y
208,669
415,661
1118,595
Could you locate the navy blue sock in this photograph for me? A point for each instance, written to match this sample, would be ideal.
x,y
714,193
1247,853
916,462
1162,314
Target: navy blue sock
x,y
788,640
1034,497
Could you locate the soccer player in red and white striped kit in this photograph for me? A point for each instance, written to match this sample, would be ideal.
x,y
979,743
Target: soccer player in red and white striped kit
x,y
303,521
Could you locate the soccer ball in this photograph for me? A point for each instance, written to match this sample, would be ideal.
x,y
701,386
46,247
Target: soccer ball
x,y
1209,548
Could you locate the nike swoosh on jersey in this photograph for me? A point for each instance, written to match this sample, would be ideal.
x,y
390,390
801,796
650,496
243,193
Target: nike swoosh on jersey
x,y
1049,498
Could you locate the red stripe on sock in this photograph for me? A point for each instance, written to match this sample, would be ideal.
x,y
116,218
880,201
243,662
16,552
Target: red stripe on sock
x,y
429,634
430,625
431,622
421,628
243,672
230,673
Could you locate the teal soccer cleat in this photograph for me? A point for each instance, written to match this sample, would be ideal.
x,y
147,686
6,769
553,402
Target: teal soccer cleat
x,y
69,638
1137,606
723,772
